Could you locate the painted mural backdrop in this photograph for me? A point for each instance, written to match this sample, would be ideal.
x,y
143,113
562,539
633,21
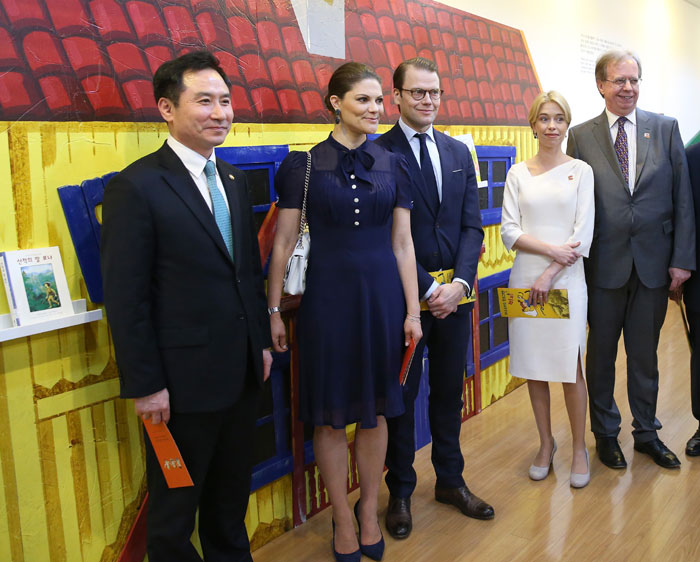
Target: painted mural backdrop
x,y
83,60
76,103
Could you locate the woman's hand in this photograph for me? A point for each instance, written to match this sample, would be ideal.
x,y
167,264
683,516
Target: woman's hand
x,y
540,289
565,254
412,329
278,332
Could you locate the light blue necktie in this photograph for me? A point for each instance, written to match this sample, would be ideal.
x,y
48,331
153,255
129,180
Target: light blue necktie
x,y
221,213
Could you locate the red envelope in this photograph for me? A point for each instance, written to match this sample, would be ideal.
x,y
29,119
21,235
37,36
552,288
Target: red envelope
x,y
171,463
407,360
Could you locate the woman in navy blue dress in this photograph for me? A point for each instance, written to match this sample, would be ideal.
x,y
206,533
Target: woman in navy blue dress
x,y
360,307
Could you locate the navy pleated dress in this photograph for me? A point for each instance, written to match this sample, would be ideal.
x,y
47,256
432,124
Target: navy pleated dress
x,y
350,327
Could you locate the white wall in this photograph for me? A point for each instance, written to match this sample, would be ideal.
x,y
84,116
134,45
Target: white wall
x,y
664,33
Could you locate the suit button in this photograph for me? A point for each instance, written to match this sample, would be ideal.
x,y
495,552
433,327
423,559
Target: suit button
x,y
241,317
435,254
238,280
437,225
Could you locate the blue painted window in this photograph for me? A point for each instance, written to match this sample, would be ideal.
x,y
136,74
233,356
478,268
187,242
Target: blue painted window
x,y
494,163
260,164
493,328
272,456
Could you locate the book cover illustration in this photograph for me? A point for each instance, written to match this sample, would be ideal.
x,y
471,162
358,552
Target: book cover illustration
x,y
35,284
40,287
514,303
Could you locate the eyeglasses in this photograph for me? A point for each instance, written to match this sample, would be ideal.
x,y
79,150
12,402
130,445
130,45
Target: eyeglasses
x,y
419,93
620,82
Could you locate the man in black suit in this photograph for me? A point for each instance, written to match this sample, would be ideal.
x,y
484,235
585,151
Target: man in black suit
x,y
643,247
691,296
447,235
186,306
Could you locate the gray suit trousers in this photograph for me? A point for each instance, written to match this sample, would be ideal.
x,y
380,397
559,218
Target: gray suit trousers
x,y
638,313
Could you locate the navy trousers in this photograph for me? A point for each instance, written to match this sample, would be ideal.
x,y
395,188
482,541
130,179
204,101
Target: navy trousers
x,y
447,341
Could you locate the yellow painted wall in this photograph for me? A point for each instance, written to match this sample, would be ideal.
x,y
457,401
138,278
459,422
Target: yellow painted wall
x,y
72,467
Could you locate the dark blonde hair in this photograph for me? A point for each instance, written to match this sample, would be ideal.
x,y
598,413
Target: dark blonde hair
x,y
544,97
614,56
345,77
416,62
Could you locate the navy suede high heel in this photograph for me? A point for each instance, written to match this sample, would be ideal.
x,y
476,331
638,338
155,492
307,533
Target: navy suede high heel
x,y
374,551
350,556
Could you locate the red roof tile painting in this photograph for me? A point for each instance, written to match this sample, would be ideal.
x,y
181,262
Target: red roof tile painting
x,y
87,60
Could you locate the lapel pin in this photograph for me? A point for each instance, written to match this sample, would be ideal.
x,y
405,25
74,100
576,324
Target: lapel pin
x,y
230,176
647,135
571,178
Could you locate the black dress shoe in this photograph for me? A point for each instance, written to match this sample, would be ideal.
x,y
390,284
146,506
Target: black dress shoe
x,y
692,449
609,452
465,501
659,452
399,522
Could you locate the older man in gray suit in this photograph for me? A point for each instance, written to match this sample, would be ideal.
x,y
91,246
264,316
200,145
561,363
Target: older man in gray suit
x,y
643,247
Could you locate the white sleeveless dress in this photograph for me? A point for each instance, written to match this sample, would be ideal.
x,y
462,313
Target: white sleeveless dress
x,y
555,207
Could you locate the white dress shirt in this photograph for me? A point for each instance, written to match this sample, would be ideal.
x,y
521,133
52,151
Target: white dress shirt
x,y
195,162
631,130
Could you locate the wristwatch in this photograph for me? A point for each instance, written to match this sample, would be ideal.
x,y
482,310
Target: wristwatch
x,y
272,310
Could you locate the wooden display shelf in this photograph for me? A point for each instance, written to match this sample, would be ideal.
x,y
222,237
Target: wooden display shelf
x,y
80,316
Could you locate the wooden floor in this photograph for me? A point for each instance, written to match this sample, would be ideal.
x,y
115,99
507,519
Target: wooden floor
x,y
642,513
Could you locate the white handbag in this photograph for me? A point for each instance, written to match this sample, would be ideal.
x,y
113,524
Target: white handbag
x,y
295,275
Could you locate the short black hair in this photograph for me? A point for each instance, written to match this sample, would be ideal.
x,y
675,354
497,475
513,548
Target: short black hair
x,y
167,81
417,62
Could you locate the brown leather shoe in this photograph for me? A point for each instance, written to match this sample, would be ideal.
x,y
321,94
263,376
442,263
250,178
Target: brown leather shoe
x,y
399,522
465,501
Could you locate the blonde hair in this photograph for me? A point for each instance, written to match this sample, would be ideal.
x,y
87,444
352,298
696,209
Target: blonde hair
x,y
544,97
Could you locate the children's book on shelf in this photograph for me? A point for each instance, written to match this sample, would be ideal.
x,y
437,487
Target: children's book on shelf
x,y
36,285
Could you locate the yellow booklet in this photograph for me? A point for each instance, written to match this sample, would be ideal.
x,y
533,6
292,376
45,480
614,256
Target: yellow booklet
x,y
515,304
445,276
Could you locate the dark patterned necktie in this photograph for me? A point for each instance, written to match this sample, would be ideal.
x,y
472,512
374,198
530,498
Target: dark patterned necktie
x,y
426,168
621,149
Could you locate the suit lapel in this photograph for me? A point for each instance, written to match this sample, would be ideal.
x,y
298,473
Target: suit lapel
x,y
402,146
446,161
643,129
601,131
179,180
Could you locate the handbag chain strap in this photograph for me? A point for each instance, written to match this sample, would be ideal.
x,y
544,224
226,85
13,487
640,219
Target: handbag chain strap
x,y
302,221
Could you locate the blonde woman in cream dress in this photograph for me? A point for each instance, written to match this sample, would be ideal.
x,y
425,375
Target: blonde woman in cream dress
x,y
548,216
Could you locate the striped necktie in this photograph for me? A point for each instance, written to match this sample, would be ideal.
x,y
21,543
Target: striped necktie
x,y
221,213
621,149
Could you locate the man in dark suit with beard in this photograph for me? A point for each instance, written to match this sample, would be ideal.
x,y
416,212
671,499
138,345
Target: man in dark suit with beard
x,y
447,235
186,306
